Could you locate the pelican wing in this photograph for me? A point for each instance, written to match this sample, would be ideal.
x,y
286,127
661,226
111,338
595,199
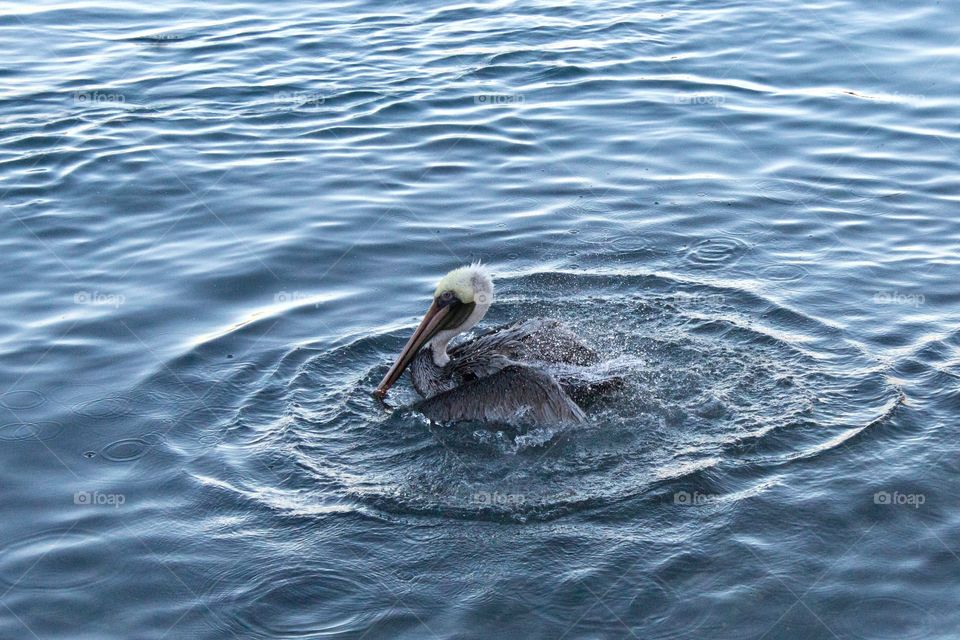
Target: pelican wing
x,y
537,339
516,393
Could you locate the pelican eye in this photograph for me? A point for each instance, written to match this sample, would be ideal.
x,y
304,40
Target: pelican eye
x,y
446,297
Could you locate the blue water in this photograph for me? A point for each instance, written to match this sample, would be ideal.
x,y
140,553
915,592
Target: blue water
x,y
220,222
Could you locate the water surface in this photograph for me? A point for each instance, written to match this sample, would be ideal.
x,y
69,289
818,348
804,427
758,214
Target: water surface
x,y
221,220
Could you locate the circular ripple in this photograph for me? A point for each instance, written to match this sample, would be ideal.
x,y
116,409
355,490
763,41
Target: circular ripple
x,y
71,395
153,439
711,375
714,253
783,273
56,559
887,617
40,430
584,208
630,243
664,615
21,400
782,190
521,204
300,602
104,408
143,459
198,430
126,450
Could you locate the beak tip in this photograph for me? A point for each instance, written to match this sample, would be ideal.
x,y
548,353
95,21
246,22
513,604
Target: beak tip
x,y
427,328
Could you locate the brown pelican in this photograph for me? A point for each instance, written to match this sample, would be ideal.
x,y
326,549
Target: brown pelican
x,y
529,371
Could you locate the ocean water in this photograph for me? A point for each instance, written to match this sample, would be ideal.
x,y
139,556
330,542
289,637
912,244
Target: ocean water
x,y
221,220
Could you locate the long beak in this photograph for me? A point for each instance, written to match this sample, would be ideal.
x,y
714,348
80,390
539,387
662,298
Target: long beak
x,y
428,328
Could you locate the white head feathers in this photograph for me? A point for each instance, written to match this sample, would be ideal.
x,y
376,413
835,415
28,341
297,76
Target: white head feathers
x,y
470,284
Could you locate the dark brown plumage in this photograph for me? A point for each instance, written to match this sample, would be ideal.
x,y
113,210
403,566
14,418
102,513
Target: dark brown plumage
x,y
535,371
503,376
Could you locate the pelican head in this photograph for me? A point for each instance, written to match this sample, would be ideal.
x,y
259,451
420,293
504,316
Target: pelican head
x,y
460,301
